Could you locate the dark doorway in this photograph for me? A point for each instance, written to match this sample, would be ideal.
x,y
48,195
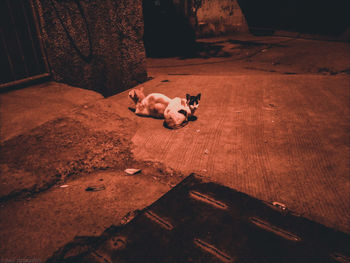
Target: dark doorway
x,y
168,31
304,16
22,56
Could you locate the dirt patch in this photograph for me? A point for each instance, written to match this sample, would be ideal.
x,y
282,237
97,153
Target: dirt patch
x,y
56,150
68,147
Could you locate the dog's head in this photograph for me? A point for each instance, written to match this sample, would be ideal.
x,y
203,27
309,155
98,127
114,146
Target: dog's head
x,y
193,102
137,94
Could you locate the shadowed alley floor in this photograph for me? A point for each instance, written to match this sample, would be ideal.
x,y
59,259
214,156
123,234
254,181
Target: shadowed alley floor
x,y
273,122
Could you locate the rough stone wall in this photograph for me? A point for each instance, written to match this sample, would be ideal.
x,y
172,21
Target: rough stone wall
x,y
95,45
218,17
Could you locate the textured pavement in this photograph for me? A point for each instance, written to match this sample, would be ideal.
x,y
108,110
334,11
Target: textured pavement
x,y
275,137
273,123
24,109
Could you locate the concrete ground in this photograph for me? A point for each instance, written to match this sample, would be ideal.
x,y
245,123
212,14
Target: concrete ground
x,y
47,169
25,109
246,54
273,122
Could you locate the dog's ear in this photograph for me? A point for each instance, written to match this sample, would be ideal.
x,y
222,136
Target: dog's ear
x,y
199,96
188,96
132,94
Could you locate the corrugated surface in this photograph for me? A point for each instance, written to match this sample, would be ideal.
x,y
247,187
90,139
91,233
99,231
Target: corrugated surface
x,y
277,138
199,221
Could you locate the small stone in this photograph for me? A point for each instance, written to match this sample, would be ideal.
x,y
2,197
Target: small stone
x,y
132,171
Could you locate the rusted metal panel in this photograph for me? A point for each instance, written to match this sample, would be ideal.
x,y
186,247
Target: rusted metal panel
x,y
201,221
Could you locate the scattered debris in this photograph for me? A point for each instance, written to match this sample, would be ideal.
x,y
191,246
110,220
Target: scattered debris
x,y
132,171
345,71
271,105
205,170
198,130
95,188
206,151
85,106
129,216
280,205
327,71
165,80
64,186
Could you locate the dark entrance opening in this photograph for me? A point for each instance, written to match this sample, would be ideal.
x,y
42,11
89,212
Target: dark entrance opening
x,y
312,16
22,56
168,31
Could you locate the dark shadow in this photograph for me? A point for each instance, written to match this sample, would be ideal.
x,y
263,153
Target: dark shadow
x,y
167,31
312,16
253,43
27,84
216,48
192,118
132,109
208,50
166,126
179,127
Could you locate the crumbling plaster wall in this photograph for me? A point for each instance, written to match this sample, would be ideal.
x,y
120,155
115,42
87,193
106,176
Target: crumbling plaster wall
x,y
218,17
95,45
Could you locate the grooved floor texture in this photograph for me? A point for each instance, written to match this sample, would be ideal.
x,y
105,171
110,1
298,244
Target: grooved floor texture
x,y
278,138
200,221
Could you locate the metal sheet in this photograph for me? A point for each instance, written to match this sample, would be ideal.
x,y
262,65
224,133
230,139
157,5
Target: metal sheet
x,y
201,221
